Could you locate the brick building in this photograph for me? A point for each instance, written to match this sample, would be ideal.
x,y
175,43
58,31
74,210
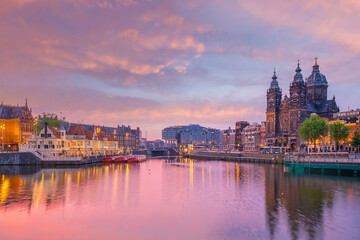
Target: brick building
x,y
16,125
239,127
284,116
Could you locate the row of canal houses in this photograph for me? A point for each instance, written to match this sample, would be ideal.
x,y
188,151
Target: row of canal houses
x,y
70,139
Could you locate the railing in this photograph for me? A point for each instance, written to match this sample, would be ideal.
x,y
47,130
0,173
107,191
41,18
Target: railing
x,y
331,159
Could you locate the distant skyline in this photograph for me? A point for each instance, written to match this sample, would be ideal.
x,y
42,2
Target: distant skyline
x,y
158,63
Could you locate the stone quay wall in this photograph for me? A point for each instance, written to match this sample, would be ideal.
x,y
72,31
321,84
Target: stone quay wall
x,y
19,158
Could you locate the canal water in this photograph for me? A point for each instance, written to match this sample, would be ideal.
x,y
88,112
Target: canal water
x,y
176,199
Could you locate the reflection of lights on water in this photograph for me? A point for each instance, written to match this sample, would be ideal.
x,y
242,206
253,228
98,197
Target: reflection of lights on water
x,y
127,173
38,189
4,189
52,178
114,188
191,175
203,177
78,178
210,174
228,175
237,174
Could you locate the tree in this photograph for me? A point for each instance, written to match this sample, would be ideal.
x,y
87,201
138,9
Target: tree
x,y
339,133
355,140
50,118
313,129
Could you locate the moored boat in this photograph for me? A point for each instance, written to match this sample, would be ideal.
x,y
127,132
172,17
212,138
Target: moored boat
x,y
108,159
121,159
137,158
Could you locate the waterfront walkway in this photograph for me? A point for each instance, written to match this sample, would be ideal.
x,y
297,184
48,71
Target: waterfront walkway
x,y
237,157
35,158
324,163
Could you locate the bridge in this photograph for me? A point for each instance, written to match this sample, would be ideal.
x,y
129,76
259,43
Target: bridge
x,y
157,152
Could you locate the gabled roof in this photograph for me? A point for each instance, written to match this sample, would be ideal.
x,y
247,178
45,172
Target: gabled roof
x,y
54,132
89,134
76,130
11,112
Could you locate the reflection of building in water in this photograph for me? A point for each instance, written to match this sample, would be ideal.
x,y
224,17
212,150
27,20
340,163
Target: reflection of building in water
x,y
51,188
304,198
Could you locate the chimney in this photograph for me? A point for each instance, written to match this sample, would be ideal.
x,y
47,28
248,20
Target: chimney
x,y
46,128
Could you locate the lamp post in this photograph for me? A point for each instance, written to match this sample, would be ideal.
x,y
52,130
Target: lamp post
x,y
2,126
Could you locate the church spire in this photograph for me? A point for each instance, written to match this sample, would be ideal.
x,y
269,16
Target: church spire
x,y
274,76
316,66
298,78
274,83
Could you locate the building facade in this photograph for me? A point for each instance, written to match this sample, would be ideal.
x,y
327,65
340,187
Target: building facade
x,y
285,116
263,134
128,139
239,127
74,142
192,134
16,125
228,139
252,137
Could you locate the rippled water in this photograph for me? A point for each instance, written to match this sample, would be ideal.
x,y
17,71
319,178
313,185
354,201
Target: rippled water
x,y
176,199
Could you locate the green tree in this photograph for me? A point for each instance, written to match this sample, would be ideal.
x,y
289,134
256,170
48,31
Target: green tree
x,y
50,118
313,129
339,133
355,140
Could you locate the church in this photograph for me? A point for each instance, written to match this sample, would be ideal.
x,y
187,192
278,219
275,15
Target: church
x,y
285,115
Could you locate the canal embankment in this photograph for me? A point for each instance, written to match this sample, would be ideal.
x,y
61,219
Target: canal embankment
x,y
237,157
33,158
324,163
19,158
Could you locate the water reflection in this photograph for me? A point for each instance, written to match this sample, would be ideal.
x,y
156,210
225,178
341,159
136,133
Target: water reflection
x,y
178,199
306,200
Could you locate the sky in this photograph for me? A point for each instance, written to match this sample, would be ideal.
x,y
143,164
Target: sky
x,y
157,63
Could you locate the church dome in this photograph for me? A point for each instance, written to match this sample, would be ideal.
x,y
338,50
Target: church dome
x,y
316,78
274,83
298,78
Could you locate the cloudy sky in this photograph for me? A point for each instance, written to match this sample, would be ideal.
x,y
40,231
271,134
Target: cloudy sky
x,y
155,63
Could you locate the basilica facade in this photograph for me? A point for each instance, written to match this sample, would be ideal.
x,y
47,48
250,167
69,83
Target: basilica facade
x,y
285,115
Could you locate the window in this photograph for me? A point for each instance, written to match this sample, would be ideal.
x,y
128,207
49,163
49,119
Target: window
x,y
49,135
46,146
42,135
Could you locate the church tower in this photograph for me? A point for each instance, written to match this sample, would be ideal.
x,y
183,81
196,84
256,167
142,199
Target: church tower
x,y
274,95
317,86
297,112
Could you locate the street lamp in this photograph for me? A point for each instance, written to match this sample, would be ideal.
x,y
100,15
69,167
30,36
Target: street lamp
x,y
2,126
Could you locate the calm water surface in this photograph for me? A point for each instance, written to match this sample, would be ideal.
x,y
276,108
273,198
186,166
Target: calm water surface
x,y
176,199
